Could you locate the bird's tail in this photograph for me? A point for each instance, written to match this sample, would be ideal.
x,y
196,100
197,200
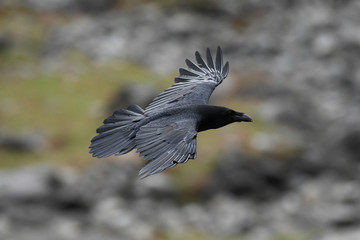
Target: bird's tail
x,y
117,135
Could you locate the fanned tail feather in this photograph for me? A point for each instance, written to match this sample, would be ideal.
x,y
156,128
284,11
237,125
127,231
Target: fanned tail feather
x,y
117,135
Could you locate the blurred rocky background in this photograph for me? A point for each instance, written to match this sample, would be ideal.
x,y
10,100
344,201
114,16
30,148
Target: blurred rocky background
x,y
293,174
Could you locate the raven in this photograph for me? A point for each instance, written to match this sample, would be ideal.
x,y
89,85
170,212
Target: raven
x,y
165,132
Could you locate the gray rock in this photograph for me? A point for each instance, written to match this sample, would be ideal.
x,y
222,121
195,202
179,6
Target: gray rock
x,y
351,234
117,180
28,141
240,175
323,203
44,5
350,143
26,183
159,187
112,214
95,6
103,180
139,94
63,5
230,216
147,35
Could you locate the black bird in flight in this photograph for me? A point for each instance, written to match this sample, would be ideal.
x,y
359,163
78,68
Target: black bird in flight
x,y
165,132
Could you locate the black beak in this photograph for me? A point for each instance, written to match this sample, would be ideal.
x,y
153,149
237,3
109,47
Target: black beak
x,y
242,117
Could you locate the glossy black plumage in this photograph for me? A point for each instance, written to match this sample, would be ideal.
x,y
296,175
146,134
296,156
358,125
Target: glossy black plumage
x,y
165,132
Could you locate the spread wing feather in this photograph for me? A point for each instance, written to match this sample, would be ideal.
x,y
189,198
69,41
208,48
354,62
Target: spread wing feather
x,y
195,84
166,145
210,59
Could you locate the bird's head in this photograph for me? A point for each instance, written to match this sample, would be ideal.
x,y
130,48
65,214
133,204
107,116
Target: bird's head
x,y
240,117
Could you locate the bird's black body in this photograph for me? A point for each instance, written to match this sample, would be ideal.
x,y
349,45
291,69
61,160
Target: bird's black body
x,y
165,132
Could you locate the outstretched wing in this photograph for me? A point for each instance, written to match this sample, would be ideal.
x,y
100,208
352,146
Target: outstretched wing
x,y
195,84
166,145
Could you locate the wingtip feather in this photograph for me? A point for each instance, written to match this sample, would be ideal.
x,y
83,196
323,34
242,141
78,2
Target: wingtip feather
x,y
219,59
200,60
209,59
225,70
